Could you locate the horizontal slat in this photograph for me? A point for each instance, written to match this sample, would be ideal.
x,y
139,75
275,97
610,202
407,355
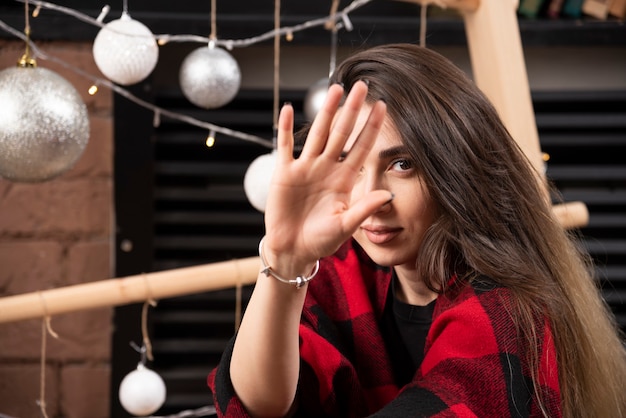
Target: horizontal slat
x,y
193,317
573,139
602,121
582,172
206,242
208,218
212,169
606,246
599,196
218,192
190,346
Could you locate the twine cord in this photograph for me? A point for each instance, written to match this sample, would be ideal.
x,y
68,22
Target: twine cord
x,y
144,319
46,328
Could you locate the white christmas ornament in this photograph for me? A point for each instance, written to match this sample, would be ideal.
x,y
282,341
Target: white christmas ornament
x,y
209,77
142,391
256,182
125,50
44,124
314,99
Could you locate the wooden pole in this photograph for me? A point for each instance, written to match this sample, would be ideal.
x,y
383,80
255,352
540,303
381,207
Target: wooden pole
x,y
131,289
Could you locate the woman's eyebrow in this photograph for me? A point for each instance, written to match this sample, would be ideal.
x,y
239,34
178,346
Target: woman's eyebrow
x,y
392,152
386,153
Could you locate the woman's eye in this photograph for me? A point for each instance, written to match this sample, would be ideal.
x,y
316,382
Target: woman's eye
x,y
402,165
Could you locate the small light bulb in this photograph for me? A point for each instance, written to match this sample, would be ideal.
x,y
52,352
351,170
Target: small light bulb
x,y
162,41
210,140
545,156
37,10
93,90
103,13
289,36
156,121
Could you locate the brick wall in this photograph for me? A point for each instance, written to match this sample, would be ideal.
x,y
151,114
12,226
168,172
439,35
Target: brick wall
x,y
55,234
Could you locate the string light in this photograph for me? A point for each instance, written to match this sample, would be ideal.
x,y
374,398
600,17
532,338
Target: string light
x,y
156,121
162,39
210,140
105,11
226,43
93,89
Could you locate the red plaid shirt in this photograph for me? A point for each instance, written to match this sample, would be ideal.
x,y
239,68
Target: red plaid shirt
x,y
473,360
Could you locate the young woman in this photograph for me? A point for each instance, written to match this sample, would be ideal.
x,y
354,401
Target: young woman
x,y
445,286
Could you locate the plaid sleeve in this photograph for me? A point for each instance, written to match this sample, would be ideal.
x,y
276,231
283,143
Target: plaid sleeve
x,y
473,364
226,402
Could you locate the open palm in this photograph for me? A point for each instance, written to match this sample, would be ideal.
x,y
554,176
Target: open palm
x,y
309,213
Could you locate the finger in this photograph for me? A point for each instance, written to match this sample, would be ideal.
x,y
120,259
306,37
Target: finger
x,y
367,136
318,134
346,121
284,134
364,207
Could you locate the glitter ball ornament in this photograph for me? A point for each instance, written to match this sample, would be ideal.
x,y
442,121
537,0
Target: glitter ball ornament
x,y
142,391
256,182
209,77
314,99
125,51
44,124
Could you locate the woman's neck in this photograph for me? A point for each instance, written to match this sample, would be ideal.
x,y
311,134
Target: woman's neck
x,y
411,288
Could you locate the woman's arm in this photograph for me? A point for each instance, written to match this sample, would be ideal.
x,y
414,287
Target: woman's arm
x,y
308,216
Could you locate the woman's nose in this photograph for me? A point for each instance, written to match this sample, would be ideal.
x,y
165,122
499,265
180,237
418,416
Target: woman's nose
x,y
367,183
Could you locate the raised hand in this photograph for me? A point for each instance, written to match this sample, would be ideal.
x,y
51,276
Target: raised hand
x,y
309,213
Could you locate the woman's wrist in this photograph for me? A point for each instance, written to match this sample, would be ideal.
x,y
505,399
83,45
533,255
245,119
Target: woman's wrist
x,y
285,267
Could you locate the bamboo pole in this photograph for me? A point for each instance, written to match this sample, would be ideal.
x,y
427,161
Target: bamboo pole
x,y
131,289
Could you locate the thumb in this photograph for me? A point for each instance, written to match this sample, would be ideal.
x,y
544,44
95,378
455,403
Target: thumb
x,y
365,207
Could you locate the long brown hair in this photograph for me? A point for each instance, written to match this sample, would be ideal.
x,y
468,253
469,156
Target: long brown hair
x,y
495,220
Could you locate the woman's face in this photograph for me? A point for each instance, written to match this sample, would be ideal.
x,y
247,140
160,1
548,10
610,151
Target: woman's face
x,y
393,235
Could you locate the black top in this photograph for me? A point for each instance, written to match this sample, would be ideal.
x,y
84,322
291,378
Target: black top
x,y
406,327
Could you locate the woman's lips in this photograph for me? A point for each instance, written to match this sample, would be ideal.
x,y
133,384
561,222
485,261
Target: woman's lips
x,y
380,235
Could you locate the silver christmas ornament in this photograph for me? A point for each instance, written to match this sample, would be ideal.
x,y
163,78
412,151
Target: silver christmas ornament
x,y
125,51
44,124
314,99
209,77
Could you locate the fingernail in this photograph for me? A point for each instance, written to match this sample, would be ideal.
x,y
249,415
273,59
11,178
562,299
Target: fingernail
x,y
340,84
286,104
391,198
366,81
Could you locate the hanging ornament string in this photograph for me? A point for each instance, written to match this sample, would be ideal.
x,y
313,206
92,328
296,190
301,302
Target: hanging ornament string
x,y
213,35
423,16
238,301
144,319
26,60
45,329
276,68
333,37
